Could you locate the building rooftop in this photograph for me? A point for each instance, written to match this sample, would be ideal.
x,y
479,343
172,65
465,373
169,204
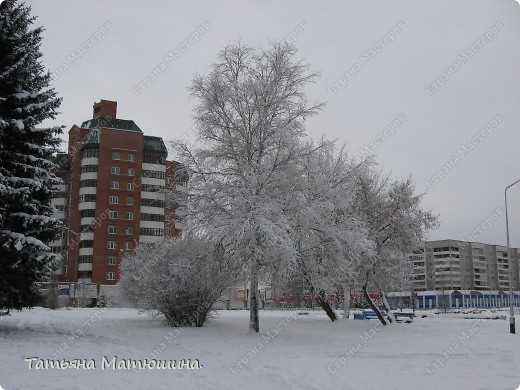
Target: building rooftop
x,y
112,123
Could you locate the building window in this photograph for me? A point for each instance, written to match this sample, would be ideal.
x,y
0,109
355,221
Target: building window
x,y
111,260
154,174
130,186
86,244
88,213
114,185
129,200
128,246
90,153
111,245
152,202
152,232
112,230
151,187
168,231
87,198
131,157
131,171
89,168
129,231
113,200
85,275
111,276
113,214
116,156
88,183
85,259
152,217
115,170
129,215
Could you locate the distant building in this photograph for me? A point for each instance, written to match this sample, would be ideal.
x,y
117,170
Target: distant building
x,y
112,200
461,265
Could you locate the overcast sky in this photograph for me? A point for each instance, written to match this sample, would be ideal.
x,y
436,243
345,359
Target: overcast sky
x,y
446,73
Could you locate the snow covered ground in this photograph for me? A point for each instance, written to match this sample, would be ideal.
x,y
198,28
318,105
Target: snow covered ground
x,y
291,352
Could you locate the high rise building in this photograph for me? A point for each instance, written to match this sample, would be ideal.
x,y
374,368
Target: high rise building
x,y
113,197
455,265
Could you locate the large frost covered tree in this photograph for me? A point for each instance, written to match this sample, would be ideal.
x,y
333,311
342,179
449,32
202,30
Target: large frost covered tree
x,y
249,118
26,177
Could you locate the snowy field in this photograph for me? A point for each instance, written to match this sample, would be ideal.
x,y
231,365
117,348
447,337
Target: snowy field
x,y
291,352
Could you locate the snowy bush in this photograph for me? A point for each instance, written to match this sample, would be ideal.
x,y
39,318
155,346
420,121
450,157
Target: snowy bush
x,y
179,278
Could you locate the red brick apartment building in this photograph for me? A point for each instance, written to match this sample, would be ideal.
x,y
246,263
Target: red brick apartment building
x,y
112,200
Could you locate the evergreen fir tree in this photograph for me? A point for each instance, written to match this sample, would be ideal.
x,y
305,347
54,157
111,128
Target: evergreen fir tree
x,y
26,170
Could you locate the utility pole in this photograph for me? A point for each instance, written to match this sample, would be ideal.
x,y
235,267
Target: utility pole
x,y
510,263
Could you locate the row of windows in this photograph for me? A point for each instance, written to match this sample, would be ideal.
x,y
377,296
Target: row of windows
x,y
85,274
88,213
88,183
90,153
150,188
87,198
153,159
129,156
113,230
114,185
152,232
86,259
86,228
117,171
113,245
89,168
154,174
152,202
115,200
152,217
129,215
86,244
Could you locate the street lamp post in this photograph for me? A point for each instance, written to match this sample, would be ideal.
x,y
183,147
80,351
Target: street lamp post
x,y
511,300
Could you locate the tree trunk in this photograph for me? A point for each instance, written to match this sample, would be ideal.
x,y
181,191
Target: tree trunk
x,y
389,314
346,303
322,300
374,307
254,321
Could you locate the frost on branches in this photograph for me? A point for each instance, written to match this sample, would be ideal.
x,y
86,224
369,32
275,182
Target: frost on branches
x,y
179,278
284,208
396,225
26,172
249,120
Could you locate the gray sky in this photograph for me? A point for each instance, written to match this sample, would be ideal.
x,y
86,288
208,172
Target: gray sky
x,y
470,46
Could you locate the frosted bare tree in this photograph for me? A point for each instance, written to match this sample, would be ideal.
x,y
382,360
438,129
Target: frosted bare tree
x,y
397,225
179,278
249,118
330,236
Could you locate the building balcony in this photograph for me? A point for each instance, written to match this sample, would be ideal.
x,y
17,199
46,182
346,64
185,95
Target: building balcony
x,y
152,210
87,206
88,176
85,267
151,224
86,251
153,167
90,161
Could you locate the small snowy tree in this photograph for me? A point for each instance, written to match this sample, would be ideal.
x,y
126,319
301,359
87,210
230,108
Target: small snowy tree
x,y
179,278
249,120
26,172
